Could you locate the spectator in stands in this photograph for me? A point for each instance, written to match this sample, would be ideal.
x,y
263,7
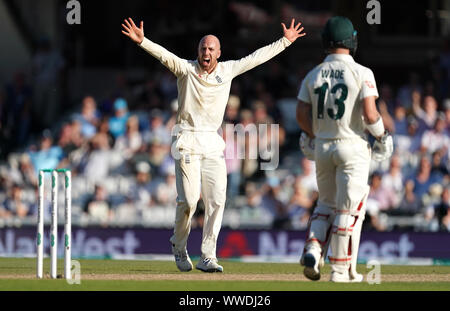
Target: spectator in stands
x,y
442,210
272,108
410,203
5,184
15,205
70,138
140,193
385,197
117,123
141,155
253,195
157,154
423,178
252,209
416,101
393,179
95,163
386,115
166,192
400,121
299,207
47,156
98,207
6,181
431,200
436,139
260,113
407,146
26,172
438,167
166,166
446,105
287,187
232,110
427,115
172,120
89,117
173,115
103,129
307,178
271,203
157,129
130,142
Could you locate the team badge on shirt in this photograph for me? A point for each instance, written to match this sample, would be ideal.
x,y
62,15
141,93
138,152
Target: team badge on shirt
x,y
187,158
369,84
219,80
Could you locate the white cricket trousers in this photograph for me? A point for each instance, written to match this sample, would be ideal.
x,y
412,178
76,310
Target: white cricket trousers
x,y
342,167
196,175
342,172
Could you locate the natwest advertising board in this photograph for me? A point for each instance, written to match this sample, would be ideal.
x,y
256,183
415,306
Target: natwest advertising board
x,y
112,242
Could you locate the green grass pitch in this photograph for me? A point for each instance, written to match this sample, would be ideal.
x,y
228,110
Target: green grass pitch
x,y
18,274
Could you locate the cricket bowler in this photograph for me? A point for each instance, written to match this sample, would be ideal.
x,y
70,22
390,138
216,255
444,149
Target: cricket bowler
x,y
203,90
336,105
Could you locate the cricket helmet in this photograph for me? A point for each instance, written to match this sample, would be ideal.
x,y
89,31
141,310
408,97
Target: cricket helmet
x,y
339,32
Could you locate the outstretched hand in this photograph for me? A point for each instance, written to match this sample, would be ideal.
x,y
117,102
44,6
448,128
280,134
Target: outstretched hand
x,y
134,33
292,33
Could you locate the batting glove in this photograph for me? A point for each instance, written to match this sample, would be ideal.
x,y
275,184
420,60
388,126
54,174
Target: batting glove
x,y
382,149
307,146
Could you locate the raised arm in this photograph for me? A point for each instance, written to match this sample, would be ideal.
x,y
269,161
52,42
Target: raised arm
x,y
264,54
175,64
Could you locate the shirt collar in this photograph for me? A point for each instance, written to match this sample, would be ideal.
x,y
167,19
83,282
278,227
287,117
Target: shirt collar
x,y
341,57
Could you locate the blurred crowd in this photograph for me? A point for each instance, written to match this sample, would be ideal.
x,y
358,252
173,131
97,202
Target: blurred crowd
x,y
416,180
119,151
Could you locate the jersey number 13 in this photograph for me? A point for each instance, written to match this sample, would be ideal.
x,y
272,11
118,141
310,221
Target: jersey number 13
x,y
339,101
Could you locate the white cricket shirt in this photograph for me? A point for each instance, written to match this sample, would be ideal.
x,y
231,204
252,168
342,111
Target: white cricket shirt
x,y
335,89
202,97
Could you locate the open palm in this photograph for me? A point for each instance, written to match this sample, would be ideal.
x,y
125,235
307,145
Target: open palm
x,y
134,33
292,33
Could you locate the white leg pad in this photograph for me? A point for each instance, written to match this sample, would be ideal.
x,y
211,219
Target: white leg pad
x,y
356,236
319,229
346,232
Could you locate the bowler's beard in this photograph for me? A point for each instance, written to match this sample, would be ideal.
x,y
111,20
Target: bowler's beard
x,y
207,66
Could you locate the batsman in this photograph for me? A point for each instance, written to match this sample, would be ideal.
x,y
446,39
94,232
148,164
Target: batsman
x,y
336,105
203,90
